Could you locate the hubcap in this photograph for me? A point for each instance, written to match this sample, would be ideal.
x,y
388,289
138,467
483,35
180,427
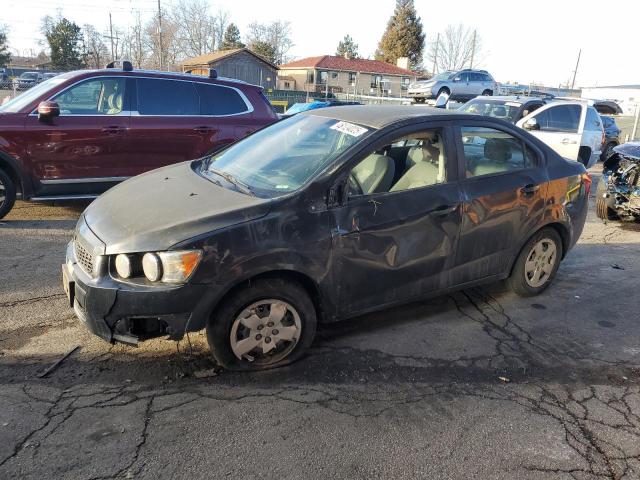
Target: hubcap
x,y
265,332
540,263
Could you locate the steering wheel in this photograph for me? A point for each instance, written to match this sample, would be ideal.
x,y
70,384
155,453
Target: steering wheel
x,y
355,184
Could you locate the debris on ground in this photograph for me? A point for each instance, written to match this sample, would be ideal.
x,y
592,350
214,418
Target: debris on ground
x,y
504,379
615,266
211,372
58,362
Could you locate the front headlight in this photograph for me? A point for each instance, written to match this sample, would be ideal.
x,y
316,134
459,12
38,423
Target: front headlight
x,y
165,267
177,267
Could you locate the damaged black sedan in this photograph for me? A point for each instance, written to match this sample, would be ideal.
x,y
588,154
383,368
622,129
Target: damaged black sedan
x,y
618,193
326,215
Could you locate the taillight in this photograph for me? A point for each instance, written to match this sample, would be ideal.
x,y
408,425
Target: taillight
x,y
586,181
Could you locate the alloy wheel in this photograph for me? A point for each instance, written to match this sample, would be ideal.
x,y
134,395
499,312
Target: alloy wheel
x,y
265,332
540,263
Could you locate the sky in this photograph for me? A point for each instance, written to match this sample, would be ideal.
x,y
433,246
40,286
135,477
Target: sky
x,y
526,42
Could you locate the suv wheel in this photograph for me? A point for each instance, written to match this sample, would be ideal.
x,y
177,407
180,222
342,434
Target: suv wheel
x,y
487,93
603,211
7,193
537,264
268,324
443,90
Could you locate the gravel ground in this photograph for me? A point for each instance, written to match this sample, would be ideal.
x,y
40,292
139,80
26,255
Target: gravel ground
x,y
477,384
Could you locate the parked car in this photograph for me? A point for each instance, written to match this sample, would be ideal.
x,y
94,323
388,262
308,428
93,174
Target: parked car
x,y
48,75
458,85
573,128
79,133
618,193
325,215
5,81
510,108
611,136
28,80
305,106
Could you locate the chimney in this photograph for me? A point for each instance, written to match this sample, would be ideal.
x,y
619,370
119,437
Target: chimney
x,y
403,62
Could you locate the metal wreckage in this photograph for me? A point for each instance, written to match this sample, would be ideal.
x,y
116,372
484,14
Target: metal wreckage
x,y
618,194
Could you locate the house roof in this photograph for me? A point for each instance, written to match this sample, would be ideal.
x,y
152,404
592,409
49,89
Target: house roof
x,y
330,62
209,58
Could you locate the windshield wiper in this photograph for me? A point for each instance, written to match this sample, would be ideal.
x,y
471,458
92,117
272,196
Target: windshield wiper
x,y
240,185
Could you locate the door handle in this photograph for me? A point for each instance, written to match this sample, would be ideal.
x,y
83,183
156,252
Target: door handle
x,y
112,130
568,141
529,189
443,210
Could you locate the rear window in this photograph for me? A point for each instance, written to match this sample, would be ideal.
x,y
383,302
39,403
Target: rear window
x,y
167,97
561,118
219,100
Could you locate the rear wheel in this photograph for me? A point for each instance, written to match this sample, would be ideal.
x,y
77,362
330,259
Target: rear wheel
x,y
537,264
268,324
7,193
487,93
602,209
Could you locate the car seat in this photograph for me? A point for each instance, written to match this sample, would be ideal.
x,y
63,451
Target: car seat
x,y
374,173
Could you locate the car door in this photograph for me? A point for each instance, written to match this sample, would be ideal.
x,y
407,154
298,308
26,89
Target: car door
x,y
593,136
395,236
86,145
462,87
559,125
166,125
503,186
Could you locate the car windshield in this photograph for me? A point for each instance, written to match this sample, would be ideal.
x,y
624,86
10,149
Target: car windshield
x,y
442,76
493,108
283,157
29,76
21,101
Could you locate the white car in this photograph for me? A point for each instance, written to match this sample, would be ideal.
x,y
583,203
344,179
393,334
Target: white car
x,y
572,128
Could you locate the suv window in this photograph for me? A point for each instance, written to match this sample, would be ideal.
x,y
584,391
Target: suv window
x,y
488,151
166,97
97,96
217,100
592,122
421,163
560,118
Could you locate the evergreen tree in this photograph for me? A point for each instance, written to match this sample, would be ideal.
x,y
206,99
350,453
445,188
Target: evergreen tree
x,y
403,37
65,40
231,38
5,56
264,49
347,48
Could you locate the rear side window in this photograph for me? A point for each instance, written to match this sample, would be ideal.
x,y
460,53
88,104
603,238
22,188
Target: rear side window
x,y
561,118
593,123
166,97
217,100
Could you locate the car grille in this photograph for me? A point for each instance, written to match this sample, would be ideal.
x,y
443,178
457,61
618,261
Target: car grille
x,y
84,257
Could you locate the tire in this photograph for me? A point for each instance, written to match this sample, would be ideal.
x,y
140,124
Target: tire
x,y
250,304
444,90
7,193
522,280
487,93
603,211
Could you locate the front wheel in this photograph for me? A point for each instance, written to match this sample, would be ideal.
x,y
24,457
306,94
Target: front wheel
x,y
7,193
487,93
268,324
537,264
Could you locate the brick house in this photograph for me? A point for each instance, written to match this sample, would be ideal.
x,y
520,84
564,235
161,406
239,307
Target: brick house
x,y
238,63
334,74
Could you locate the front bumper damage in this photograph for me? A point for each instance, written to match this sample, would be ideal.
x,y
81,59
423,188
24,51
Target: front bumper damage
x,y
620,194
128,313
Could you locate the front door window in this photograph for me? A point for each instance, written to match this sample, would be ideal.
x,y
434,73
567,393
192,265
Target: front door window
x,y
98,96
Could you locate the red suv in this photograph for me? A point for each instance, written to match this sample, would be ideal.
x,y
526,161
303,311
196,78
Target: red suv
x,y
79,133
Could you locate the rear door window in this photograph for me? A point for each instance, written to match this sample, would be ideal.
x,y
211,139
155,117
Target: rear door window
x,y
166,97
219,100
560,118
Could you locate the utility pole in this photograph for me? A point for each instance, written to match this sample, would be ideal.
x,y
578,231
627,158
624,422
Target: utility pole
x,y
575,72
435,56
160,32
111,37
473,48
635,123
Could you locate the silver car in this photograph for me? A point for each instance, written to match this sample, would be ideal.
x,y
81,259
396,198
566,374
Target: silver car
x,y
458,85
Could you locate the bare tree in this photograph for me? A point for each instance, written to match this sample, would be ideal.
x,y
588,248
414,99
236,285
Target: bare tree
x,y
96,51
456,49
170,50
137,51
195,27
221,21
276,34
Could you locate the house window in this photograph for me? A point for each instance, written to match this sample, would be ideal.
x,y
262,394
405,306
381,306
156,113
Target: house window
x,y
323,77
376,80
352,78
405,83
310,77
287,85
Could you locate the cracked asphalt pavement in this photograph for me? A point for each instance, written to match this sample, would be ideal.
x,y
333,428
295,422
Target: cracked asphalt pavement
x,y
478,384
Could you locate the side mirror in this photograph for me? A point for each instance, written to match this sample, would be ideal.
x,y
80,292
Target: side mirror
x,y
47,111
531,124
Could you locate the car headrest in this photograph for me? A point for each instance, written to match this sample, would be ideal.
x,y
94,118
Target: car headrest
x,y
497,149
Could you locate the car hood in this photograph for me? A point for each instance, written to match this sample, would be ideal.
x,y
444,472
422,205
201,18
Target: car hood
x,y
156,210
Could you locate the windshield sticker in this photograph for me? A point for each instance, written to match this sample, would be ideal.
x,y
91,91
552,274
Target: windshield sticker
x,y
512,104
349,128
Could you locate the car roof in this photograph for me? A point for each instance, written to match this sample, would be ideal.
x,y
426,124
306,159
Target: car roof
x,y
511,98
378,116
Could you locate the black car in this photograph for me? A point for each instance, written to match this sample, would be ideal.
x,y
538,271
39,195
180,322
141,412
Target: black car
x,y
325,215
510,108
612,136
